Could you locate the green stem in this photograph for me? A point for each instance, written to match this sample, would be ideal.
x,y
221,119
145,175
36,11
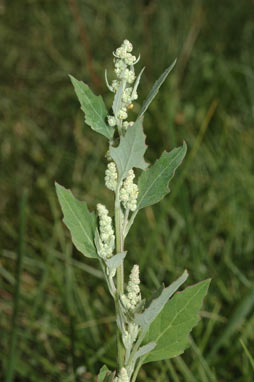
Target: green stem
x,y
119,273
136,347
135,374
119,247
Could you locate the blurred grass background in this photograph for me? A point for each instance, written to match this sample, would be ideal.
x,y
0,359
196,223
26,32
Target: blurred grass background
x,y
57,319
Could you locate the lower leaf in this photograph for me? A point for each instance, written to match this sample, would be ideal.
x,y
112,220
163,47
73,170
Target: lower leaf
x,y
172,326
79,220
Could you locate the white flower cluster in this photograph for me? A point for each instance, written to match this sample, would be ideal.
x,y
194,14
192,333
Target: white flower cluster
x,y
111,176
123,60
127,124
130,335
122,376
129,192
124,70
107,236
133,297
111,121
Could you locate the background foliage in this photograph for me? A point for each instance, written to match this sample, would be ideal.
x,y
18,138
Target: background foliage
x,y
64,326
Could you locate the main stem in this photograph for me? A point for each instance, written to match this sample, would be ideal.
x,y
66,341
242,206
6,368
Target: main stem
x,y
119,274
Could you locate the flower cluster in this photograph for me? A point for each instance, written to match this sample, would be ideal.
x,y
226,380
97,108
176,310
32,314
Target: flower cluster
x,y
122,376
129,192
124,69
133,297
124,62
127,124
131,334
107,236
111,176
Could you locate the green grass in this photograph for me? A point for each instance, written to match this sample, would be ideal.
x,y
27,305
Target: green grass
x,y
65,317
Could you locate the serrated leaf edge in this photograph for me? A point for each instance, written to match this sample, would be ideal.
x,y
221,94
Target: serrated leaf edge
x,y
99,97
197,318
63,219
151,185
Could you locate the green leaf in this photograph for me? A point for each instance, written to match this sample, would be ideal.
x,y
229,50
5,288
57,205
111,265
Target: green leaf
x,y
130,151
118,99
172,326
155,89
115,261
79,220
137,80
102,374
145,318
153,183
144,350
93,107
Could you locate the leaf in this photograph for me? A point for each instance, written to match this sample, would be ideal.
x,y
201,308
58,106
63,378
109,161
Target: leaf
x,y
93,107
172,326
144,350
79,220
153,183
145,319
118,99
137,81
102,374
130,151
115,261
155,89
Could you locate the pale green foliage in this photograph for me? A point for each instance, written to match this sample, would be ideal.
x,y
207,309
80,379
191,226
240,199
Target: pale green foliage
x,y
130,152
157,329
115,261
143,350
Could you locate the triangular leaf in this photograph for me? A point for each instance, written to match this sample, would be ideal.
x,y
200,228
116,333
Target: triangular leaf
x,y
153,183
79,220
130,151
145,318
102,374
171,327
93,107
155,89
